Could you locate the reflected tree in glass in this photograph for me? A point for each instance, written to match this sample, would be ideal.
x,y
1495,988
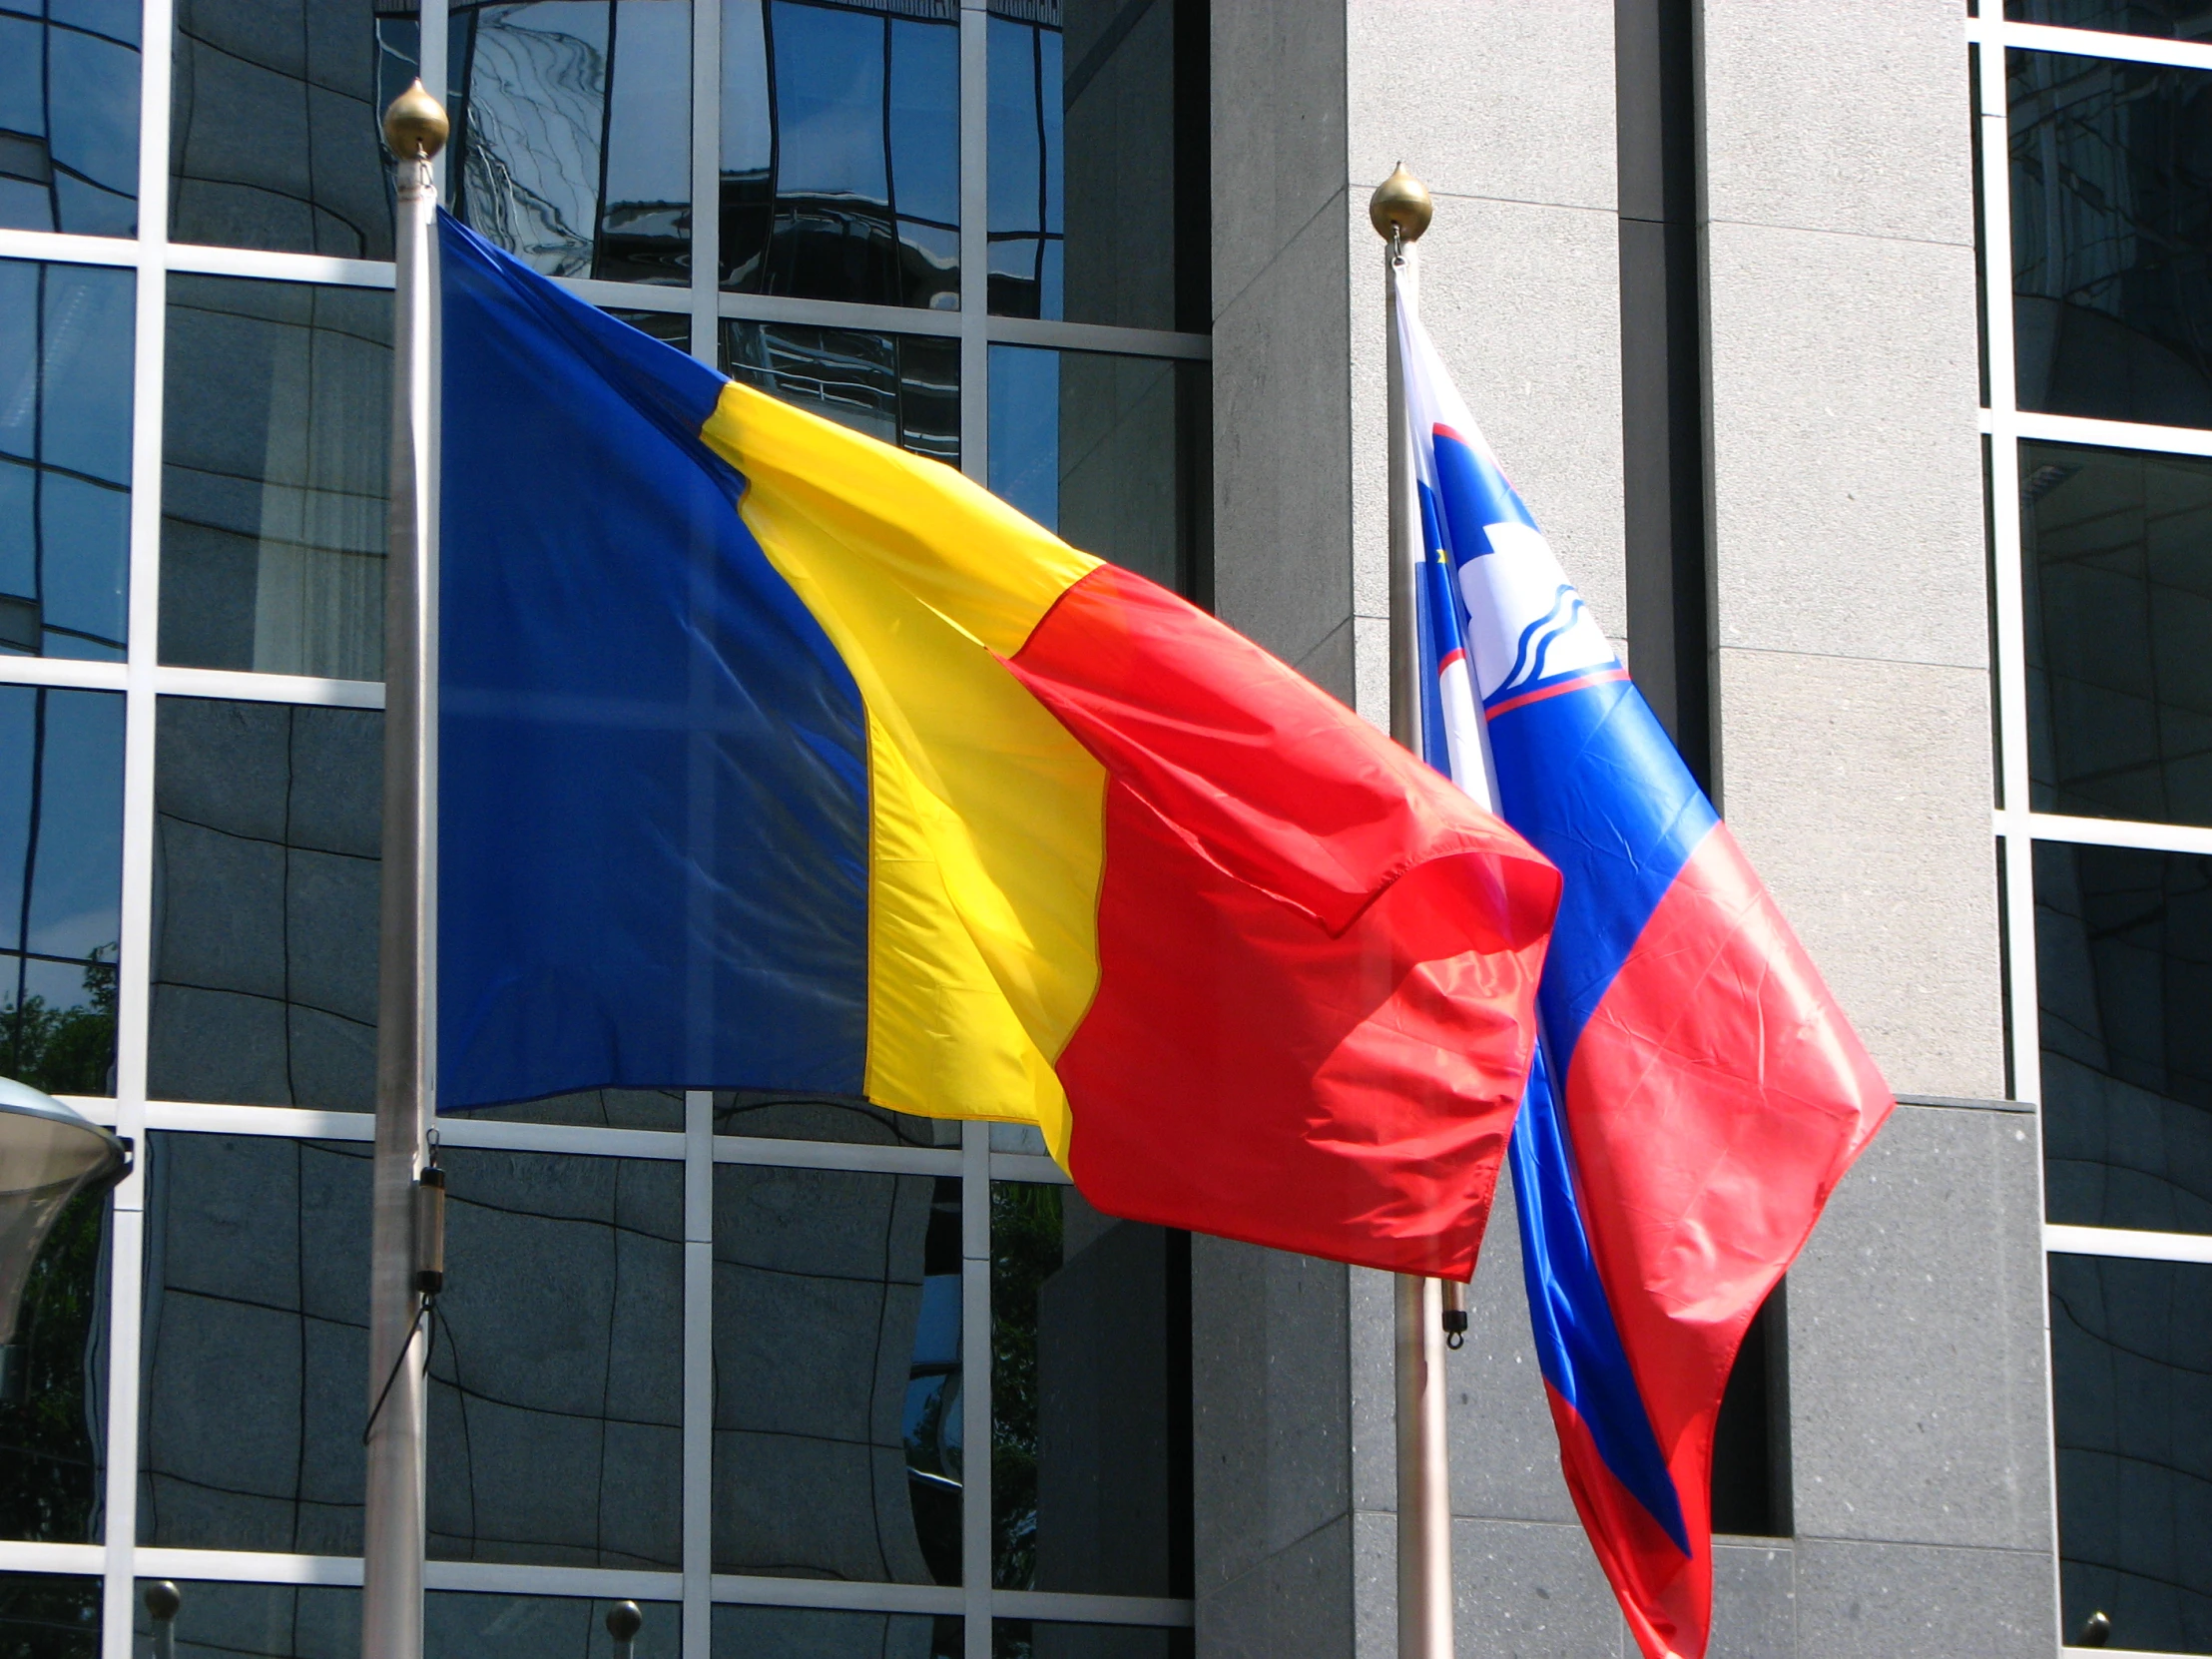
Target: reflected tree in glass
x,y
49,1616
52,1440
69,116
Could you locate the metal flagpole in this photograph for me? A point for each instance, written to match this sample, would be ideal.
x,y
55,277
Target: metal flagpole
x,y
391,1570
1400,211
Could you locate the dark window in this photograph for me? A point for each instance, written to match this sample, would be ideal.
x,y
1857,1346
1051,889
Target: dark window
x,y
61,885
52,1440
69,116
848,1466
669,327
1035,1639
2117,558
2111,229
782,1117
903,388
1095,161
2124,973
571,134
1090,1384
1110,452
49,1616
758,1632
2167,19
840,151
282,1621
2131,1367
65,457
274,494
275,123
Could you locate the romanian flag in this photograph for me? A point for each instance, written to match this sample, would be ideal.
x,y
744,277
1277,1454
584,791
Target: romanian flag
x,y
772,758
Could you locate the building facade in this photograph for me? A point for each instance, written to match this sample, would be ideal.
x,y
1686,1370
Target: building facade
x,y
1853,357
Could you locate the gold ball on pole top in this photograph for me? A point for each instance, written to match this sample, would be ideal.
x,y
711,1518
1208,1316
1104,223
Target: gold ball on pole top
x,y
1401,204
415,127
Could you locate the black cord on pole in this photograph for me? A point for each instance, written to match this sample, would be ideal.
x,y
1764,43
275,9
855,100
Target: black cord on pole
x,y
421,1326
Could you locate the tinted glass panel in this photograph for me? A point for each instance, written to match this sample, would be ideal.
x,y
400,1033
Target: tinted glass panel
x,y
1089,1478
1109,451
273,496
2169,19
266,832
49,1616
69,103
779,1117
266,1621
65,457
572,124
2117,550
274,136
903,388
1084,160
807,1633
61,884
281,1621
2132,1375
841,149
254,1346
669,327
1034,1639
2123,950
52,1440
847,1465
2111,229
556,1398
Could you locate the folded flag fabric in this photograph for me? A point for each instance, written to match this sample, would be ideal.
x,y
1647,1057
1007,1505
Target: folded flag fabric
x,y
1699,1093
772,758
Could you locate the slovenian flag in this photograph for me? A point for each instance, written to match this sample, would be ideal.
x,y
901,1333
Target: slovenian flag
x,y
772,758
1699,1093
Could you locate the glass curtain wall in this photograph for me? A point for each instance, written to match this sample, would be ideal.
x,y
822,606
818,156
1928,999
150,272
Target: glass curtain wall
x,y
797,1376
2095,178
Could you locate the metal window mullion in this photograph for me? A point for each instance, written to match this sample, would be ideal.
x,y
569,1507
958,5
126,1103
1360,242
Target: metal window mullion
x,y
699,1375
975,350
436,37
975,1386
705,217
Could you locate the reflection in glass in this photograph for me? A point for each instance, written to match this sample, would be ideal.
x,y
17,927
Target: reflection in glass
x,y
61,885
603,1108
669,327
818,1633
2131,1382
49,1616
1034,1639
841,149
2111,231
847,1465
276,122
780,1117
65,457
2167,19
283,1621
556,1396
1090,1387
1111,452
69,106
1086,158
2117,554
255,1344
903,388
53,1441
266,832
571,134
2123,950
274,445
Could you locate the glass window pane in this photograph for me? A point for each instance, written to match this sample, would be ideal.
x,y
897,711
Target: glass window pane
x,y
61,885
65,457
69,108
265,833
277,119
52,1440
2111,223
903,388
267,1621
780,1117
847,1465
274,493
2167,19
1035,1639
1087,159
571,134
49,1615
556,1398
2117,556
1089,1444
2131,1375
840,151
813,1633
669,327
1111,452
282,1621
2123,950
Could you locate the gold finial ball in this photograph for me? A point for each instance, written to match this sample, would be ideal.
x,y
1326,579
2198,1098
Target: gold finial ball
x,y
1400,200
416,125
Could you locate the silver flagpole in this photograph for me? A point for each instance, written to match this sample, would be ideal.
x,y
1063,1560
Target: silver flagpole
x,y
391,1570
1400,211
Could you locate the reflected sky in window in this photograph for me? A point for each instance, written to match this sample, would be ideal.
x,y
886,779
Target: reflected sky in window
x,y
69,96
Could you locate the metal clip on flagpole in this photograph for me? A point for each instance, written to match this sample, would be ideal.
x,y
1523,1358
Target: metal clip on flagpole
x,y
392,1585
1400,211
